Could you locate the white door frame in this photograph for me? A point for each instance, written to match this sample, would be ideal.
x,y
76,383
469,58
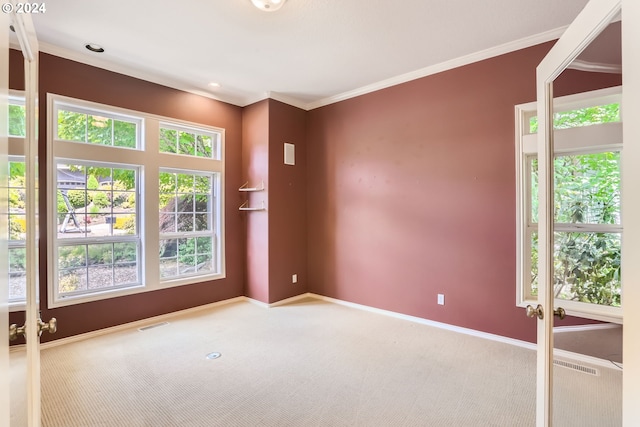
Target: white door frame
x,y
596,15
4,285
631,211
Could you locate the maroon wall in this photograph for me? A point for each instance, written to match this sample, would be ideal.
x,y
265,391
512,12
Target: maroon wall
x,y
255,164
287,202
411,193
16,70
64,77
276,237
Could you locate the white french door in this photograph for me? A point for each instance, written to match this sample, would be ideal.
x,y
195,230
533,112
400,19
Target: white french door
x,y
20,390
596,16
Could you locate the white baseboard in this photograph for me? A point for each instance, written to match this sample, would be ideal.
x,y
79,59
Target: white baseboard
x,y
420,320
485,335
493,337
138,323
281,302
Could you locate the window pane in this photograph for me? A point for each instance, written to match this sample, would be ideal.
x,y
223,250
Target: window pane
x,y
72,280
100,254
17,120
189,143
168,140
534,190
186,143
587,188
203,146
125,134
186,256
17,273
99,130
72,256
168,258
204,257
534,263
17,196
125,274
185,222
587,267
125,253
72,126
581,117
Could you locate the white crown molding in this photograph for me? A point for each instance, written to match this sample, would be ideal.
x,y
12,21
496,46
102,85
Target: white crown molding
x,y
288,100
133,72
443,66
595,67
244,101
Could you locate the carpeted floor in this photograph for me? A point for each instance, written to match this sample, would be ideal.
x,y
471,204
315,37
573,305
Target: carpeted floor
x,y
310,363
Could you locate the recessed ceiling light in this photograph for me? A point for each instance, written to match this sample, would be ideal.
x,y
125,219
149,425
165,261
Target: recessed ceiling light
x,y
94,47
268,5
214,84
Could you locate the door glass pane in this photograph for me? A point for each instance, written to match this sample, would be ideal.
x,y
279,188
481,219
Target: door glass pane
x,y
587,374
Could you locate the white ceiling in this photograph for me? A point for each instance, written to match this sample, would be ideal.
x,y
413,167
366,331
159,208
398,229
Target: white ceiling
x,y
310,53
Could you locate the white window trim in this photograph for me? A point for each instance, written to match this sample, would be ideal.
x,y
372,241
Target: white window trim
x,y
526,147
150,161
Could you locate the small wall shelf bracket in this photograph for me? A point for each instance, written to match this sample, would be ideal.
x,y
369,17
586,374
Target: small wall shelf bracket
x,y
245,187
245,207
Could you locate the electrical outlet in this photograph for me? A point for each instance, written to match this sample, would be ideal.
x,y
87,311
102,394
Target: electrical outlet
x,y
294,278
440,299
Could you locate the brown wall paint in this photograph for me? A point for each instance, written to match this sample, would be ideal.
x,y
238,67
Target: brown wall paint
x,y
16,70
287,202
276,237
255,164
64,77
411,193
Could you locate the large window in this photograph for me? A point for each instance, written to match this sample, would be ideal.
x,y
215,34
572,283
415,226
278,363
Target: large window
x,y
587,222
127,216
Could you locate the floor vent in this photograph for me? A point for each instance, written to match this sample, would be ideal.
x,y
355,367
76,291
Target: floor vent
x,y
576,367
146,328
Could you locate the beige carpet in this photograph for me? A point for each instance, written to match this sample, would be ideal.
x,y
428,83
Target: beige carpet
x,y
310,363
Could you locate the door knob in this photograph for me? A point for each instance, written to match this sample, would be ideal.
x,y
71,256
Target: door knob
x,y
533,312
15,331
560,313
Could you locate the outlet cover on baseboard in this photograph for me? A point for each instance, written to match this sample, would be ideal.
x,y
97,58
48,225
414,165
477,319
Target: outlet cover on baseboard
x,y
440,299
